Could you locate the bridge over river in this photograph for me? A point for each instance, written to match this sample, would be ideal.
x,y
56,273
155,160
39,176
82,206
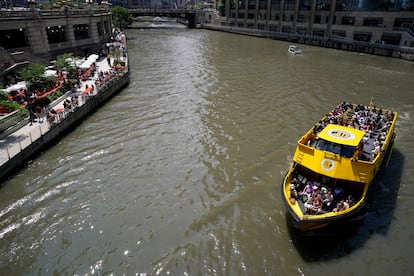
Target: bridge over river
x,y
189,15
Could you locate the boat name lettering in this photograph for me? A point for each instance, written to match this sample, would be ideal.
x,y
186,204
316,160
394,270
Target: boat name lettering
x,y
341,134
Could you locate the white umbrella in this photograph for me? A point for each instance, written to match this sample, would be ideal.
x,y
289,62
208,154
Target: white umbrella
x,y
17,87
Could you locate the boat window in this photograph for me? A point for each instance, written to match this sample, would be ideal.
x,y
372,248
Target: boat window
x,y
345,151
320,144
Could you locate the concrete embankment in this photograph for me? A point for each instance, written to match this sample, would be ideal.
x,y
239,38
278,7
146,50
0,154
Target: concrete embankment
x,y
17,160
406,53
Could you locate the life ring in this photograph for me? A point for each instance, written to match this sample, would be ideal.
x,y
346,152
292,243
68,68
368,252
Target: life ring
x,y
327,164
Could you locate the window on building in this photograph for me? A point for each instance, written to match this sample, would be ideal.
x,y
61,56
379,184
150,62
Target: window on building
x,y
14,38
81,31
366,5
300,18
252,4
306,5
275,4
260,26
317,19
372,21
250,15
106,27
339,33
323,5
286,29
319,32
100,28
393,39
362,36
301,30
56,34
273,28
250,25
241,14
240,25
348,20
404,23
290,5
262,4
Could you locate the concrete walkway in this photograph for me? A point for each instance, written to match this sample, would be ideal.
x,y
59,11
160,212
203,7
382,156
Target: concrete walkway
x,y
23,137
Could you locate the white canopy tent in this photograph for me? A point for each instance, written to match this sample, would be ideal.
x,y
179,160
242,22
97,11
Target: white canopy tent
x,y
89,61
50,73
16,87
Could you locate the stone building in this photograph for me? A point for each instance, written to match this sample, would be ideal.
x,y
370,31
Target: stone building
x,y
384,22
38,36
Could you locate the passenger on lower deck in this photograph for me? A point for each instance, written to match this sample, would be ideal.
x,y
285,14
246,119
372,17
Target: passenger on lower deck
x,y
328,201
307,191
293,193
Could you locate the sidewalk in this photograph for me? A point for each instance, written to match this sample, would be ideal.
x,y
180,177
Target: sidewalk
x,y
23,137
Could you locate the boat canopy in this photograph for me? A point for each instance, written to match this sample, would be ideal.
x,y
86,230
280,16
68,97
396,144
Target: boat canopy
x,y
341,135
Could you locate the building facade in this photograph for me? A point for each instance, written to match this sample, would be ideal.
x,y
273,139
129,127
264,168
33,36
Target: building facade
x,y
47,33
385,22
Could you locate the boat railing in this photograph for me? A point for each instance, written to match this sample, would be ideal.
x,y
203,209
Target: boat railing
x,y
306,149
333,156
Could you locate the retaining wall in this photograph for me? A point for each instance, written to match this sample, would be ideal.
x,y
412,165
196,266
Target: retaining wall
x,y
19,160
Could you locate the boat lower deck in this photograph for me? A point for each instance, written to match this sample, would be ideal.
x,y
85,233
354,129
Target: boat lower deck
x,y
306,187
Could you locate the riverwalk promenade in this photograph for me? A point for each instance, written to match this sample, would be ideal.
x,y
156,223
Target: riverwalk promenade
x,y
18,147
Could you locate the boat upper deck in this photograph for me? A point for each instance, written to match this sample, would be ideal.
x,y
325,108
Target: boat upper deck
x,y
375,125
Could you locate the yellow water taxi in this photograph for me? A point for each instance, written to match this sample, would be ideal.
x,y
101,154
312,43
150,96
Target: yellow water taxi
x,y
335,163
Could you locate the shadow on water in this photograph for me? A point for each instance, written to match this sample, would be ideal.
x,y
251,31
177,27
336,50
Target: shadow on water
x,y
341,240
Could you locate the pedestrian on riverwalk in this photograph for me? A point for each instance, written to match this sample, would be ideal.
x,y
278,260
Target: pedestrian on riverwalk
x,y
38,113
108,58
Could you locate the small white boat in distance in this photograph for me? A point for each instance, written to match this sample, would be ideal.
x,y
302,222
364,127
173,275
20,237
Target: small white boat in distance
x,y
157,21
294,50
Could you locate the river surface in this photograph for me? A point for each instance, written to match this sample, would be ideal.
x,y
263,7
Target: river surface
x,y
179,174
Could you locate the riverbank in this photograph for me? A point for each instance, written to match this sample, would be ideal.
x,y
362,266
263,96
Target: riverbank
x,y
17,148
378,49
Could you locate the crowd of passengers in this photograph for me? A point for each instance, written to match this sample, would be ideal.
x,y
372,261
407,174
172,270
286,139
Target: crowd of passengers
x,y
374,122
319,198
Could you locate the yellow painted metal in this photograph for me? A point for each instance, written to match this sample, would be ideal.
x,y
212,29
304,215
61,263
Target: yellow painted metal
x,y
342,135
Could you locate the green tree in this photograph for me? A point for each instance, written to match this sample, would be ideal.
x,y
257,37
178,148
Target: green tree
x,y
67,62
32,73
121,16
35,78
6,102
